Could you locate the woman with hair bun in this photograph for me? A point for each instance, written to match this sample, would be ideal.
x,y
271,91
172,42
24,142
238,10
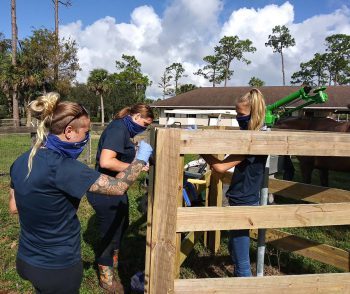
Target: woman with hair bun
x,y
47,184
114,154
247,177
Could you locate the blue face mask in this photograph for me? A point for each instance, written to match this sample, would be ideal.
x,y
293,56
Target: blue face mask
x,y
132,126
67,149
243,121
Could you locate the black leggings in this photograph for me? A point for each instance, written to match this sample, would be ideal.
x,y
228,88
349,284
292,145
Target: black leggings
x,y
52,281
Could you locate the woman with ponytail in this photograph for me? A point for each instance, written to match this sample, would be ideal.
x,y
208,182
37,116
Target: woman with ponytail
x,y
247,177
47,184
114,154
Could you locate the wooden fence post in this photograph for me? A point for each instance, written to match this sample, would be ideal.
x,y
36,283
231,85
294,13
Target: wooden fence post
x,y
167,191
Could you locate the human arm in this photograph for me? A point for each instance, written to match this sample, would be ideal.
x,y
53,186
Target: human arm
x,y
12,202
120,184
108,160
224,165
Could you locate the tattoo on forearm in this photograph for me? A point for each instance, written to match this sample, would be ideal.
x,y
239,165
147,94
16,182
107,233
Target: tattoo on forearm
x,y
120,184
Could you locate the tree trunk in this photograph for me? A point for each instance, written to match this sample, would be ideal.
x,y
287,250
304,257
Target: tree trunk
x,y
28,113
226,74
15,110
56,43
284,79
102,112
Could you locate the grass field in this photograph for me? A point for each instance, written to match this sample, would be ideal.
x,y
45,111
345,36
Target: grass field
x,y
200,263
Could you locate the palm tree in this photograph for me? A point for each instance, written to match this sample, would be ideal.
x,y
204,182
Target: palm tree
x,y
98,83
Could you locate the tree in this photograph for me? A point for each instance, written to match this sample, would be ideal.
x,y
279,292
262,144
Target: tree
x,y
99,83
230,48
6,70
338,50
280,38
256,82
214,71
130,82
64,3
176,69
15,104
41,55
186,88
165,84
312,72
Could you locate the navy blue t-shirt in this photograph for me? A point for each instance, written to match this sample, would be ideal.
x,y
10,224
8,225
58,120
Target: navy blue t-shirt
x,y
116,137
247,180
47,203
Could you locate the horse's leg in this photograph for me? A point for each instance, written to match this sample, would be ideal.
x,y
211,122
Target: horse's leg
x,y
306,168
324,177
288,167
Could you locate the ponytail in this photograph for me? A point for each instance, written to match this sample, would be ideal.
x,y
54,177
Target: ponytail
x,y
255,100
122,113
144,109
41,108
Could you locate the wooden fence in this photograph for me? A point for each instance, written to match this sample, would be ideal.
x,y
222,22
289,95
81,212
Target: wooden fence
x,y
167,219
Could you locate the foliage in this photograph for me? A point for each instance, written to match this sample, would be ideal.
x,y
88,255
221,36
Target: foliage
x,y
231,48
177,71
165,84
130,84
256,82
214,71
280,38
338,49
186,88
312,72
99,83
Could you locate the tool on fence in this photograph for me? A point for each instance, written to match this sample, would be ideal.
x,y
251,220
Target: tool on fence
x,y
193,173
278,109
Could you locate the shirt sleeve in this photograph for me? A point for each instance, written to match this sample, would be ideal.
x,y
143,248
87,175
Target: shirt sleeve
x,y
114,139
75,178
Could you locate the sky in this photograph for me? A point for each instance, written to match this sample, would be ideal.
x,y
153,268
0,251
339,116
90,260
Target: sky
x,y
160,32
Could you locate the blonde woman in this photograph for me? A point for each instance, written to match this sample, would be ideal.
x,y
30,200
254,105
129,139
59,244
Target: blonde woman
x,y
247,177
47,184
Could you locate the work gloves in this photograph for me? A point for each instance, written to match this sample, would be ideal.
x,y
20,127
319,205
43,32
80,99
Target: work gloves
x,y
144,151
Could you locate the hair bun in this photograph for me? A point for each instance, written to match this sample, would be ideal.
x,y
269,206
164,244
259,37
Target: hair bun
x,y
45,105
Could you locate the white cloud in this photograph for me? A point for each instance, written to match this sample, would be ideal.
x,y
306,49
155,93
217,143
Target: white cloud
x,y
189,30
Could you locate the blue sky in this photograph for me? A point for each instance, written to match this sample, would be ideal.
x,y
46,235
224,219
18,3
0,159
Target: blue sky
x,y
161,32
39,13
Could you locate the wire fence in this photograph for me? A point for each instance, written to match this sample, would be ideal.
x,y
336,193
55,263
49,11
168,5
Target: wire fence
x,y
14,144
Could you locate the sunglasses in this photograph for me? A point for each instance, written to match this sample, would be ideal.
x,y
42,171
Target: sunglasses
x,y
82,112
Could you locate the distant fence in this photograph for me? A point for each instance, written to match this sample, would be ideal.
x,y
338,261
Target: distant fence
x,y
15,141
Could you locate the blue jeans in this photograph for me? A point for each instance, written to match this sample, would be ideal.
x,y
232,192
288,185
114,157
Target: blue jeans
x,y
112,215
239,245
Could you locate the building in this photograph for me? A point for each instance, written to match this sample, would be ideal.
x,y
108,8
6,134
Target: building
x,y
216,105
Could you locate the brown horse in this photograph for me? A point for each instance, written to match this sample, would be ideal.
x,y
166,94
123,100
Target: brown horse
x,y
323,163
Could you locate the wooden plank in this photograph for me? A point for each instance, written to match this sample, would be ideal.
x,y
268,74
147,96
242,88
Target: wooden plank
x,y
310,193
256,217
178,235
293,284
188,243
149,214
311,249
272,143
215,199
167,190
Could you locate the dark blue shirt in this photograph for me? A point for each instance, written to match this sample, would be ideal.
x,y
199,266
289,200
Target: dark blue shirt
x,y
116,137
47,203
247,180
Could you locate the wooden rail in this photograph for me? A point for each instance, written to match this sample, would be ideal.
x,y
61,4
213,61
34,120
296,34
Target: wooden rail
x,y
169,219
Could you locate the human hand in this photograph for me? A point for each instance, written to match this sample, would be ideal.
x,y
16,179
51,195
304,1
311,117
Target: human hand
x,y
144,151
146,168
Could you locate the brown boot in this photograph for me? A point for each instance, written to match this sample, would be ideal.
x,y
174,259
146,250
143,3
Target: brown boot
x,y
106,277
115,258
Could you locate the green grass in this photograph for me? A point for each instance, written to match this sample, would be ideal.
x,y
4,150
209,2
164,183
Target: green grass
x,y
200,262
